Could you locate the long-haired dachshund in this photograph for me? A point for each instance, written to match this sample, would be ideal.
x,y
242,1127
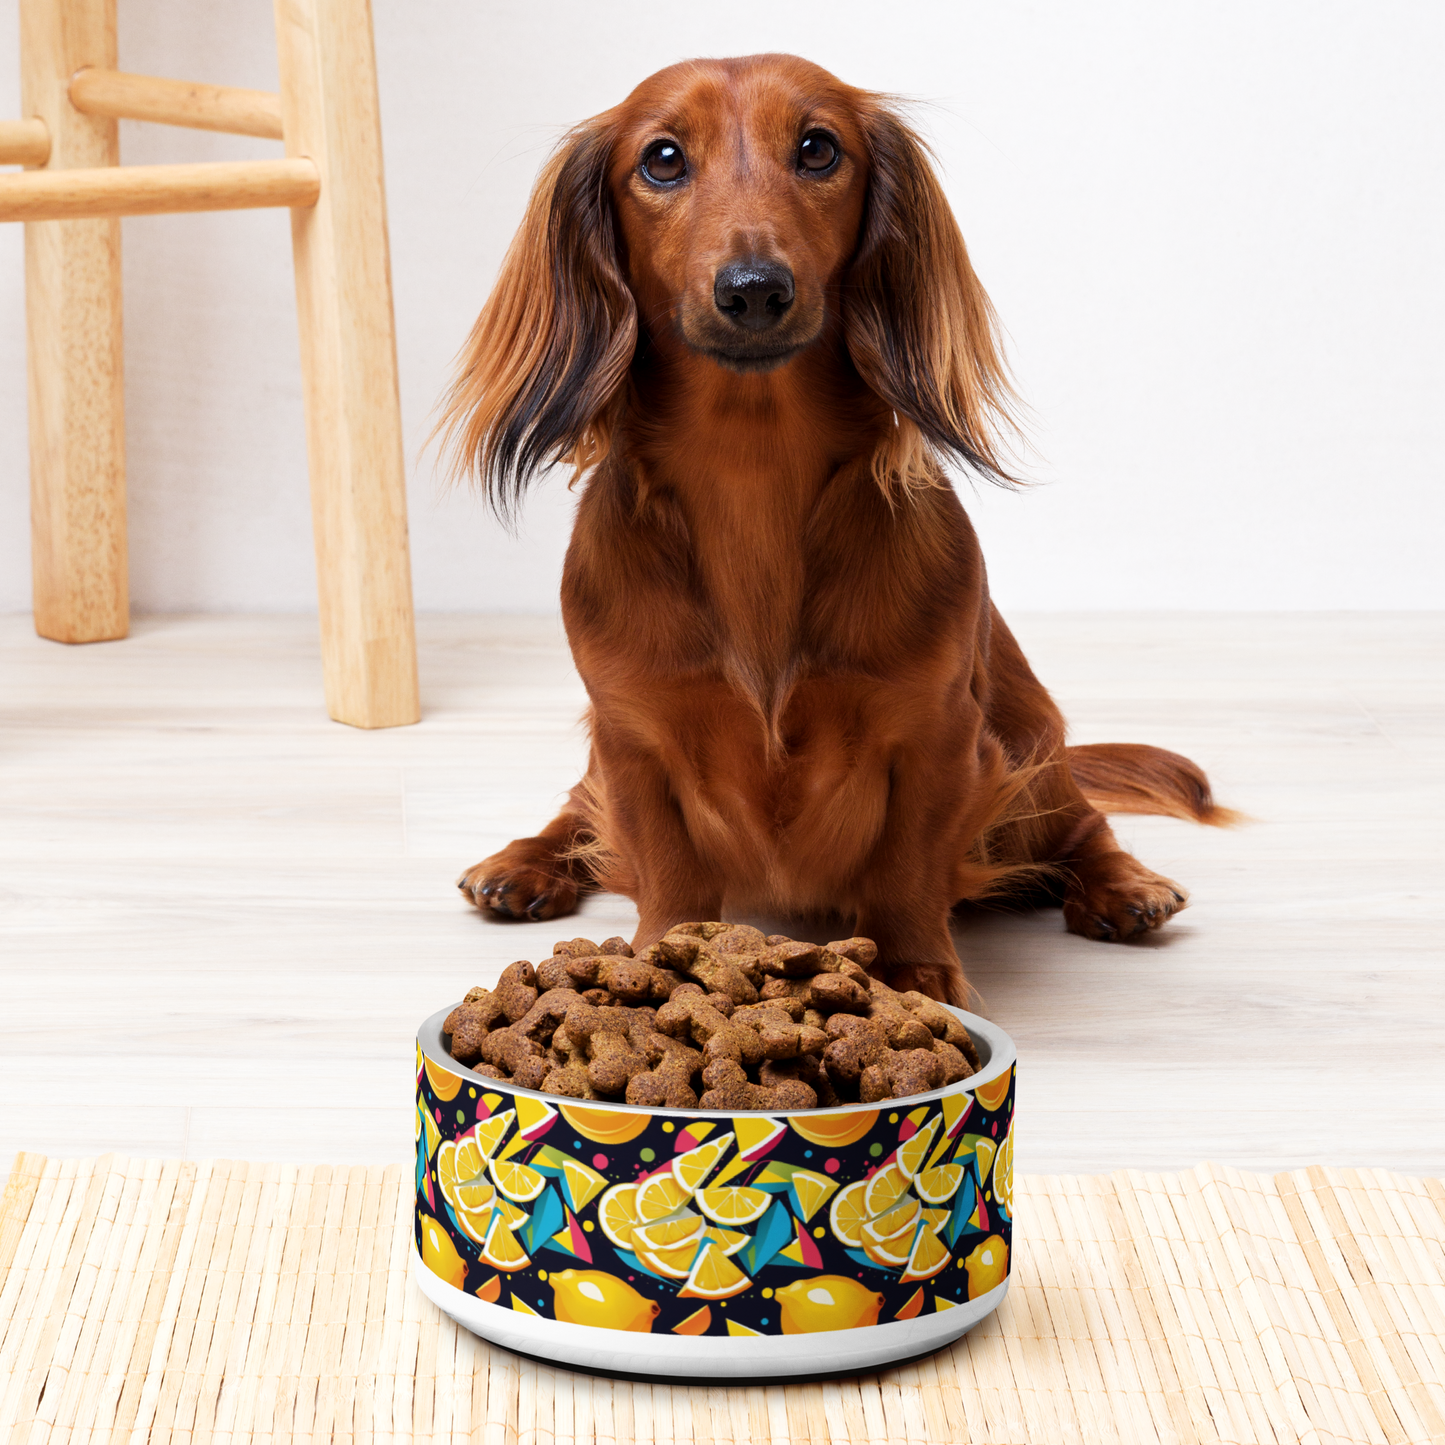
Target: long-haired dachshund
x,y
740,306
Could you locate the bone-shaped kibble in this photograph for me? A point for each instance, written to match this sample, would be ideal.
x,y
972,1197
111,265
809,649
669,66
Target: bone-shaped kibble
x,y
691,956
901,1074
516,989
781,1036
669,1082
523,1058
630,979
575,948
956,1066
612,1060
542,1020
570,1080
798,960
805,1069
691,1017
901,1028
807,1022
862,951
728,1087
470,1022
832,993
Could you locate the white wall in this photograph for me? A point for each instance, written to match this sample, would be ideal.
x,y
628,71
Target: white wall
x,y
1212,231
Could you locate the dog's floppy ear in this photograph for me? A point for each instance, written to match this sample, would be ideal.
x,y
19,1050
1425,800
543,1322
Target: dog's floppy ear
x,y
919,325
539,377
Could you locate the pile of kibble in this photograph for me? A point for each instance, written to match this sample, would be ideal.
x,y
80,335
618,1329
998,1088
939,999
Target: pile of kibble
x,y
746,1020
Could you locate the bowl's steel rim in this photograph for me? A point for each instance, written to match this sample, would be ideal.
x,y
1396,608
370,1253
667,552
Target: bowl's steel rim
x,y
1002,1056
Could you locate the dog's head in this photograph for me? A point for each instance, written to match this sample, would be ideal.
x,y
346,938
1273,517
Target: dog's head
x,y
731,214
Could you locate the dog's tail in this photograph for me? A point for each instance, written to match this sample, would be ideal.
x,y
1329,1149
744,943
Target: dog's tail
x,y
1135,778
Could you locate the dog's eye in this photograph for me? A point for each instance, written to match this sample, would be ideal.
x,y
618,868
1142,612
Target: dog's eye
x,y
818,151
664,162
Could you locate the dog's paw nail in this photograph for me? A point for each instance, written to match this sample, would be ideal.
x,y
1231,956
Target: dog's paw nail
x,y
1106,929
1135,911
534,909
1178,897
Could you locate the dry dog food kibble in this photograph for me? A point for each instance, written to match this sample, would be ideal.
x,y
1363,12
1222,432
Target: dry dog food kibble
x,y
714,1015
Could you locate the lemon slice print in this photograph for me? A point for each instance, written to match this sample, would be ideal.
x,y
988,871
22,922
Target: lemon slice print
x,y
489,1133
451,1165
501,1249
518,1182
903,1216
692,1168
827,1302
674,1263
849,1214
985,1151
583,1184
658,1197
884,1190
605,1126
811,1191
928,1256
617,1214
514,1216
474,1197
992,1095
981,1150
935,1219
891,1253
474,1224
733,1203
696,1323
713,1276
834,1131
939,1184
445,1084
677,1229
914,1151
727,1240
1003,1173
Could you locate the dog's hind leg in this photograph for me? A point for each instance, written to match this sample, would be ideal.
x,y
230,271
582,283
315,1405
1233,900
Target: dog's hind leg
x,y
537,878
1106,892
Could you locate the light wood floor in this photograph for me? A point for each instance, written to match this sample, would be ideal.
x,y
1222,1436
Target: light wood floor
x,y
222,916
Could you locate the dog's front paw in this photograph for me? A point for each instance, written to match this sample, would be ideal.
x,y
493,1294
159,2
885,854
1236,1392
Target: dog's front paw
x,y
516,884
1115,898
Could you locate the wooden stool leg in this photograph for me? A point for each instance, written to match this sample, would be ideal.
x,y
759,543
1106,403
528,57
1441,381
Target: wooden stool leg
x,y
348,360
72,306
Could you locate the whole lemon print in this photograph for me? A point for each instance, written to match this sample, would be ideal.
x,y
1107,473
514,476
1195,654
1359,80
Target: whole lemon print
x,y
594,1297
440,1255
987,1266
827,1302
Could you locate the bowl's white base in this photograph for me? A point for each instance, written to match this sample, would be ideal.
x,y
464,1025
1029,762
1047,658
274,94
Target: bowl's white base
x,y
705,1357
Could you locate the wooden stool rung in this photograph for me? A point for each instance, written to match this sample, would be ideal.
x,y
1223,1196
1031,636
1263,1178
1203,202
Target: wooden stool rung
x,y
96,91
24,142
155,190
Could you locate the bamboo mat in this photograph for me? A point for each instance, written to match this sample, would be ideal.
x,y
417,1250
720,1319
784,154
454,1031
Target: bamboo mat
x,y
156,1300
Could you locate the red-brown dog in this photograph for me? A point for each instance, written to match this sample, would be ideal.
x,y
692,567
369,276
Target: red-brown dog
x,y
740,303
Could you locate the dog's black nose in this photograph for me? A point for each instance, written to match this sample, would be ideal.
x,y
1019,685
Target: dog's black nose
x,y
756,294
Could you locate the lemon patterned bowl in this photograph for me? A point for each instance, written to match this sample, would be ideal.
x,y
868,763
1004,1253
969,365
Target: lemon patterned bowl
x,y
684,1243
